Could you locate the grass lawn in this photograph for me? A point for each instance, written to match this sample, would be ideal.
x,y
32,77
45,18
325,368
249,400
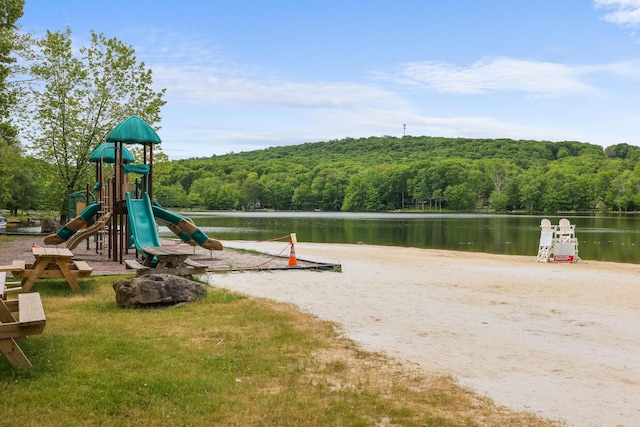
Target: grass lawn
x,y
224,360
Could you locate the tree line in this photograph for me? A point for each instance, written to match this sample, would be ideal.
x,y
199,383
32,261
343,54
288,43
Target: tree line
x,y
422,173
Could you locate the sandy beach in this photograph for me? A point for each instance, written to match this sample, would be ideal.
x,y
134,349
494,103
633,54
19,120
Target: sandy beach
x,y
558,340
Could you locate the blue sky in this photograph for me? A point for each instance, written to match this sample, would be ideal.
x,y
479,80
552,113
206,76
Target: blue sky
x,y
249,74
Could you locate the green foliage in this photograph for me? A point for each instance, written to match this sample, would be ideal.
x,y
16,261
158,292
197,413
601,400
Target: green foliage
x,y
9,168
387,173
25,191
214,194
460,197
365,192
10,12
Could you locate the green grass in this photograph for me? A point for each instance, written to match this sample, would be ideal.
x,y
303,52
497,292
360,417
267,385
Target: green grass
x,y
224,360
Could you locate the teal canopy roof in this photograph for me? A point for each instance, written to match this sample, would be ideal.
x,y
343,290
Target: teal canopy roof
x,y
141,169
134,130
106,152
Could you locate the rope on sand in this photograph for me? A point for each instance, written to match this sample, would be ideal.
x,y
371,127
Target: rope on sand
x,y
277,238
272,258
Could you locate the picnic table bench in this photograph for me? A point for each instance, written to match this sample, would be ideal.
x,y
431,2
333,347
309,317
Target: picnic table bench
x,y
52,263
10,287
31,321
166,259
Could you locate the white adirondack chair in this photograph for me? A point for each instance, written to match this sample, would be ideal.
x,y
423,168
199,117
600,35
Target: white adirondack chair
x,y
566,231
546,241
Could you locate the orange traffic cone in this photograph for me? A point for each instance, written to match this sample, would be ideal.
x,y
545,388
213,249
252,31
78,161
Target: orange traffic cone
x,y
292,257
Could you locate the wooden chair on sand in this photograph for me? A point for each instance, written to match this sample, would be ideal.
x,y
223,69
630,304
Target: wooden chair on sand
x,y
566,231
545,249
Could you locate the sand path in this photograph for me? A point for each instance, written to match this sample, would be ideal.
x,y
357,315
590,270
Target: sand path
x,y
559,340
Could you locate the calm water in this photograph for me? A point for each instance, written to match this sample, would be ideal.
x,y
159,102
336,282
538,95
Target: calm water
x,y
606,238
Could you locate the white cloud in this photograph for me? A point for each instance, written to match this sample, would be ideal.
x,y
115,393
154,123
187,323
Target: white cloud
x,y
625,69
209,87
200,75
479,127
497,75
621,12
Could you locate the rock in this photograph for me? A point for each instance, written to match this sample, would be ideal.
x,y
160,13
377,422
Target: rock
x,y
49,225
157,290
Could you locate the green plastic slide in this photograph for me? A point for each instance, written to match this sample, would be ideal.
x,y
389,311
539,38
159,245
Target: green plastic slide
x,y
142,223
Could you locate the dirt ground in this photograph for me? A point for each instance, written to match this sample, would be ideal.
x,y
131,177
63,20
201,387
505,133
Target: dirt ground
x,y
558,340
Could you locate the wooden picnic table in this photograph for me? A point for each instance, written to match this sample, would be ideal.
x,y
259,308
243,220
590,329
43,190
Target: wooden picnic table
x,y
167,259
31,321
53,263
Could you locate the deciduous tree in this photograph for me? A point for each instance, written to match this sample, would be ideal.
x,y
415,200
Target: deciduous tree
x,y
10,12
80,98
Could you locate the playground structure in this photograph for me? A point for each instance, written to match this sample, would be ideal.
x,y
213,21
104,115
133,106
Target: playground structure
x,y
123,215
558,243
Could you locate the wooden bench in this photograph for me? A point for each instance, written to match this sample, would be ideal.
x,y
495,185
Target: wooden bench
x,y
140,269
166,260
31,321
83,268
194,264
8,287
15,266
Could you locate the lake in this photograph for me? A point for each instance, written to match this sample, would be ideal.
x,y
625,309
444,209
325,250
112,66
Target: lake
x,y
610,237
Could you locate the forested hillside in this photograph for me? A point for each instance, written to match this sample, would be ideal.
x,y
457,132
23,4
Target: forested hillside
x,y
388,173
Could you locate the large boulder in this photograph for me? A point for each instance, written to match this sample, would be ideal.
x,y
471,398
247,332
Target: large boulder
x,y
154,290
